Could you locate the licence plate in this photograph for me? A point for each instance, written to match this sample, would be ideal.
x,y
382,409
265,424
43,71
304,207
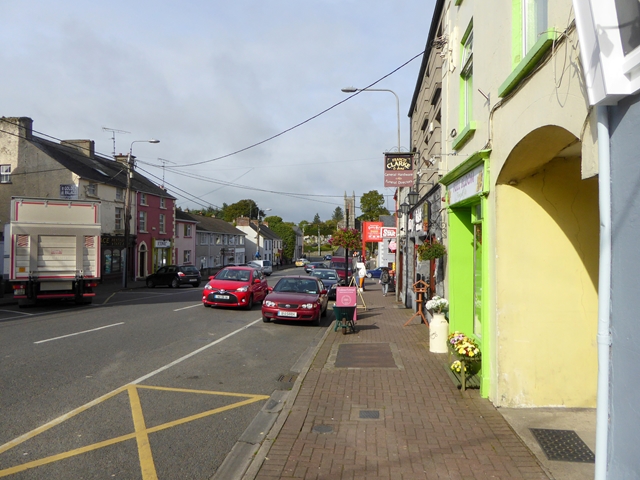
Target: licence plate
x,y
193,280
19,291
287,314
222,297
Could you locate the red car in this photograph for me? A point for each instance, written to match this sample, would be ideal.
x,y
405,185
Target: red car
x,y
235,287
296,298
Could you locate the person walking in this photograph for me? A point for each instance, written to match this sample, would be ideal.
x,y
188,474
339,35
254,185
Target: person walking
x,y
385,280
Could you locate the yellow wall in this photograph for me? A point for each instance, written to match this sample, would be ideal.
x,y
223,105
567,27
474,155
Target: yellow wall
x,y
546,288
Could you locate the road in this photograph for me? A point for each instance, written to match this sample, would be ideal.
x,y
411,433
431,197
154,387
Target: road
x,y
150,385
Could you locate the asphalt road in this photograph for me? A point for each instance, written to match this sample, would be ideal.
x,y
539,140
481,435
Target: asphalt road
x,y
150,385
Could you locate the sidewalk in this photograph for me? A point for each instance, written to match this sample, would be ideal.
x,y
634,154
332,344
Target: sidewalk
x,y
378,405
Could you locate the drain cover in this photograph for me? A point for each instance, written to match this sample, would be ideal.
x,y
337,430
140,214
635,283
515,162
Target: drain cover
x,y
362,355
563,445
369,414
322,429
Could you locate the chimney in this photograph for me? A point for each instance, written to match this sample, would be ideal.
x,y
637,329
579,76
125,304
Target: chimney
x,y
85,147
21,126
120,158
242,221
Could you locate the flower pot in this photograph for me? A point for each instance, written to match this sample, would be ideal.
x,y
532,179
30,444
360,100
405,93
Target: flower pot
x,y
438,333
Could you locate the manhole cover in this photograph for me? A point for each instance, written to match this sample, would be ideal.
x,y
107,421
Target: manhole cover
x,y
563,445
288,378
369,414
363,355
322,429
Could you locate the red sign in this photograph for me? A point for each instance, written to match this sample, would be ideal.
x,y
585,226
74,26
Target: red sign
x,y
389,232
372,231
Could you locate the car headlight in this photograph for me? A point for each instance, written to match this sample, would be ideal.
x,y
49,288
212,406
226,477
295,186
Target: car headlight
x,y
307,306
243,289
269,303
208,287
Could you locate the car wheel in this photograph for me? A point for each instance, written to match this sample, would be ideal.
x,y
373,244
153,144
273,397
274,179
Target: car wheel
x,y
250,302
266,320
151,283
369,275
174,283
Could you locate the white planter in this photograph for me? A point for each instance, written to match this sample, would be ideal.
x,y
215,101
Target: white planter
x,y
438,334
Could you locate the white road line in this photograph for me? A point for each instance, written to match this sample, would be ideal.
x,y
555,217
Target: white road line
x,y
185,308
78,333
11,311
195,352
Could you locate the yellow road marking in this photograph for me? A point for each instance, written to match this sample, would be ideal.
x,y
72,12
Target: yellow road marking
x,y
147,467
141,432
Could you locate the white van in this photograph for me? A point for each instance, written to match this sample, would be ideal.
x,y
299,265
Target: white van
x,y
267,268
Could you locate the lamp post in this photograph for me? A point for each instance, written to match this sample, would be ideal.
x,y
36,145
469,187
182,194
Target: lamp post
x,y
412,199
354,89
127,209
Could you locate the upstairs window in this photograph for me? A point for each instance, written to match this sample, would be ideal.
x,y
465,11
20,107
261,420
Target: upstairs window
x,y
119,194
163,203
466,76
187,230
534,22
162,223
5,173
142,221
143,199
92,190
119,218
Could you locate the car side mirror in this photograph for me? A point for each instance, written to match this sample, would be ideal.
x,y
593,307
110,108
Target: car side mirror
x,y
270,289
257,280
211,277
323,292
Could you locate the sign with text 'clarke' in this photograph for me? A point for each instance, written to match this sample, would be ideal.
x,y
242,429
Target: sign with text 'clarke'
x,y
372,231
398,169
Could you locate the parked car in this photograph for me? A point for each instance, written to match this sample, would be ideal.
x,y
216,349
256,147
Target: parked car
x,y
375,273
255,265
175,275
301,262
235,287
327,257
313,265
330,279
296,298
265,265
338,264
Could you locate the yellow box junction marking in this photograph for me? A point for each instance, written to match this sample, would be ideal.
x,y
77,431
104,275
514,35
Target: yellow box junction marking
x,y
140,434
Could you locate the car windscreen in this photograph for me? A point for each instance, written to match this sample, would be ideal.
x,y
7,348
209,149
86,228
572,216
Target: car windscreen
x,y
266,263
238,275
190,270
293,285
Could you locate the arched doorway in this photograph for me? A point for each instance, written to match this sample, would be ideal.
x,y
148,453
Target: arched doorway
x,y
546,271
142,261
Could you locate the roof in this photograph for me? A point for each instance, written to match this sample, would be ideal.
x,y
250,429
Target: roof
x,y
211,224
97,168
185,217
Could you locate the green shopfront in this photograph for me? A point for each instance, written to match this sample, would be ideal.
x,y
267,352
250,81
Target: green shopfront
x,y
468,253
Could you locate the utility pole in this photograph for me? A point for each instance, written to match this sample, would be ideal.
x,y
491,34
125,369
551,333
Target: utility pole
x,y
319,254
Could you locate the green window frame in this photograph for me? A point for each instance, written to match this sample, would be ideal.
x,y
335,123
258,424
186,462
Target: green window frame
x,y
467,125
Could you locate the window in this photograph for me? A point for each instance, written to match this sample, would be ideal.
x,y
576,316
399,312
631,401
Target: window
x,y
534,22
187,256
142,221
225,240
143,199
5,173
241,242
187,229
204,239
163,202
162,223
218,240
466,76
119,218
92,190
119,194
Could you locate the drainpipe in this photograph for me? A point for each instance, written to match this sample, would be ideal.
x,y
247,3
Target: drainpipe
x,y
604,295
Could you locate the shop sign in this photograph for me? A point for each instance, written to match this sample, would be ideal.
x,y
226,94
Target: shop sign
x,y
398,169
389,232
163,243
467,186
372,231
112,241
69,192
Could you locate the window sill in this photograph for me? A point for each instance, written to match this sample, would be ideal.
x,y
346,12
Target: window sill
x,y
528,63
464,136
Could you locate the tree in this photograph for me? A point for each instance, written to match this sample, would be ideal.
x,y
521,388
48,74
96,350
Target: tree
x,y
285,231
316,219
372,206
242,208
338,214
272,220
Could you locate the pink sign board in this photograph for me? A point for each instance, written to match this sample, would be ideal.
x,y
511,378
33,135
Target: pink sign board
x,y
346,297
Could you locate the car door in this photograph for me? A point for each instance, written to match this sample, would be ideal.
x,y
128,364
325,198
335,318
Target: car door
x,y
259,288
159,276
170,274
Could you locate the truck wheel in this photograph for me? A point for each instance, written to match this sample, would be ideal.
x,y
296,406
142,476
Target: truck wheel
x,y
174,283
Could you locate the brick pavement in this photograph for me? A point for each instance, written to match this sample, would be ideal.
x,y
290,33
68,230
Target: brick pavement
x,y
427,428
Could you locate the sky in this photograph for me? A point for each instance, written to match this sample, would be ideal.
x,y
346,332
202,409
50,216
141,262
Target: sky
x,y
234,90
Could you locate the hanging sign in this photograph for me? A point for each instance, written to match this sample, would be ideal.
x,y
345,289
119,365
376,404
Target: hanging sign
x,y
372,232
398,169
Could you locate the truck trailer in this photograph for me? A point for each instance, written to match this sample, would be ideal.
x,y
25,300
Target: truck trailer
x,y
52,249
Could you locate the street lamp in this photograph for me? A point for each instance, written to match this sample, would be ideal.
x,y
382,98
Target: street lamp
x,y
412,198
354,90
127,209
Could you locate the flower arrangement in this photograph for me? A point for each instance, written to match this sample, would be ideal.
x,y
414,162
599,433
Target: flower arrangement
x,y
437,304
348,239
431,250
467,351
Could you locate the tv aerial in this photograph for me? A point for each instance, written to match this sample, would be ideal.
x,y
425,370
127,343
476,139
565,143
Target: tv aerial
x,y
113,136
164,162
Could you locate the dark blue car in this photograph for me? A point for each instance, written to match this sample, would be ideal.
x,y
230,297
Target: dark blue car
x,y
374,273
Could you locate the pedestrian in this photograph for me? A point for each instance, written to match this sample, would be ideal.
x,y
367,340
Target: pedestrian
x,y
385,280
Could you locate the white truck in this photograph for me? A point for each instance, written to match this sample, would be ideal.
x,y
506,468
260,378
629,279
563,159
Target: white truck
x,y
52,249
